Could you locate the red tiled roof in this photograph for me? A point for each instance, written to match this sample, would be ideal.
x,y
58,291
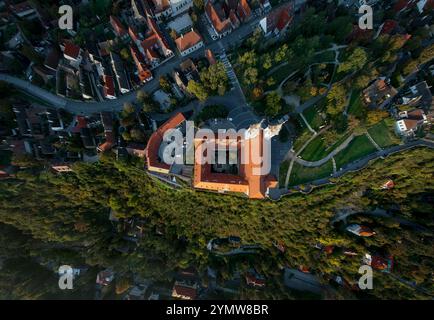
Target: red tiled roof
x,y
133,34
188,40
233,17
81,123
248,181
219,25
144,73
284,19
109,86
251,279
109,143
117,26
71,50
185,291
389,26
154,143
210,56
280,17
245,9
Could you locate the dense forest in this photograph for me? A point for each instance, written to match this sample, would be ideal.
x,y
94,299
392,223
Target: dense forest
x,y
47,220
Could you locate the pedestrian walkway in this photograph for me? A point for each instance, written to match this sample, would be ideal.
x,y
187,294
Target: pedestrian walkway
x,y
373,141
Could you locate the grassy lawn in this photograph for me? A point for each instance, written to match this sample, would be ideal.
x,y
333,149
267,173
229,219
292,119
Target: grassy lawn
x,y
356,107
5,158
316,149
301,174
383,135
282,173
358,148
313,116
301,140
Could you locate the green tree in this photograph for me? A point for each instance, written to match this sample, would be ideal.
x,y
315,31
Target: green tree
x,y
355,61
250,76
273,104
165,84
198,90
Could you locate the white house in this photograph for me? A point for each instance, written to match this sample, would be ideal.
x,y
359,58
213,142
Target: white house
x,y
410,121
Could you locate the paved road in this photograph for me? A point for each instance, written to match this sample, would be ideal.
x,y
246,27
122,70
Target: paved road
x,y
88,108
276,194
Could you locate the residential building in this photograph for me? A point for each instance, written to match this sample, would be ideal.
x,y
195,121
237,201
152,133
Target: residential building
x,y
119,70
138,7
105,277
418,95
61,168
180,6
187,71
210,57
118,28
254,279
277,22
189,42
136,150
73,54
184,290
219,21
154,48
108,87
410,121
379,94
52,59
388,185
361,231
181,24
143,73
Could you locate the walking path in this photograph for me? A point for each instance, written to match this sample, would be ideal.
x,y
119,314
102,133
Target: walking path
x,y
313,164
373,141
356,165
307,124
334,165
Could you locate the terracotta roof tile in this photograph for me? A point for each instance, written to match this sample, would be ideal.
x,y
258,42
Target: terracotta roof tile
x,y
188,40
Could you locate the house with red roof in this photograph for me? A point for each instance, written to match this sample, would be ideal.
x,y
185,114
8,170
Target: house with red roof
x,y
118,28
154,47
185,291
389,184
361,231
277,21
410,121
219,21
255,280
243,11
72,53
189,42
109,87
143,72
210,57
